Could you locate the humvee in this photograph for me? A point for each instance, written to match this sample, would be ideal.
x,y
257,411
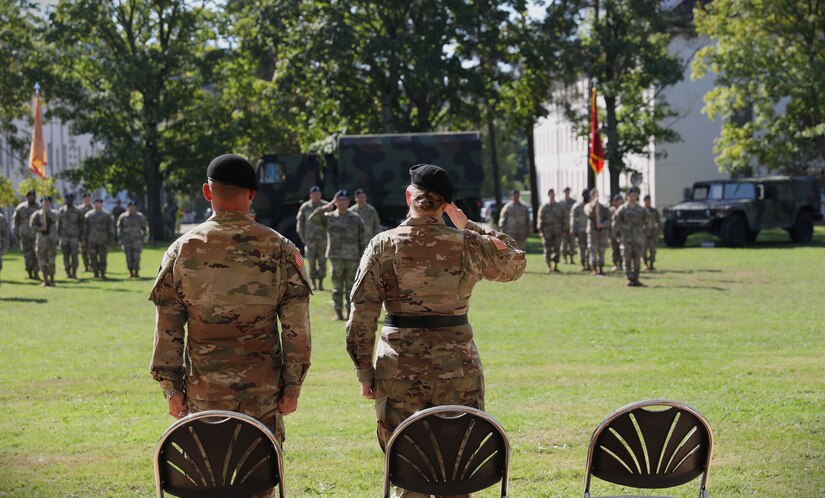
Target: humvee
x,y
736,210
377,163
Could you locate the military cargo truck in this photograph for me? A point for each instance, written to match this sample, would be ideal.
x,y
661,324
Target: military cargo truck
x,y
736,210
377,163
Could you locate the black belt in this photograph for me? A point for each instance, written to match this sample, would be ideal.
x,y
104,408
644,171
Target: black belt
x,y
424,321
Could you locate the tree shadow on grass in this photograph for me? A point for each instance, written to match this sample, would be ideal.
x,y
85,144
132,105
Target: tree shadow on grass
x,y
36,300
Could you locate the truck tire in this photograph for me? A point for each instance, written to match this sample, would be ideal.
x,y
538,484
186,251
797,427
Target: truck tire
x,y
752,234
734,231
674,237
803,230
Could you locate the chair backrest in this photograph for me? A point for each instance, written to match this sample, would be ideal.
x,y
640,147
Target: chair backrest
x,y
217,453
447,450
651,444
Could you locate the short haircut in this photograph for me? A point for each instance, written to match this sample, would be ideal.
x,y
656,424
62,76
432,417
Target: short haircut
x,y
226,190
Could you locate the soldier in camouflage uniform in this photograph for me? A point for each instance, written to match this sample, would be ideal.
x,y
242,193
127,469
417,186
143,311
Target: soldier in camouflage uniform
x,y
652,234
22,232
346,240
514,220
116,212
551,226
368,214
131,232
170,219
423,273
631,224
598,223
4,237
70,227
568,245
84,247
314,238
43,224
219,294
578,228
614,237
100,232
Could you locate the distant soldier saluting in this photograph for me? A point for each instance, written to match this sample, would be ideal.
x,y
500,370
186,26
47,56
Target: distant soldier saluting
x,y
630,223
515,220
131,232
314,238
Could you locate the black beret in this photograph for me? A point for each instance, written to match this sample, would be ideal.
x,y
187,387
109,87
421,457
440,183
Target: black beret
x,y
31,192
69,195
315,188
618,197
515,191
359,191
551,191
131,203
98,200
86,194
647,197
566,189
586,192
341,193
431,178
46,198
233,169
633,190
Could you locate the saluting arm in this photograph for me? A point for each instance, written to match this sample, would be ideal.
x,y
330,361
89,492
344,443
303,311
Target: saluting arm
x,y
319,217
293,313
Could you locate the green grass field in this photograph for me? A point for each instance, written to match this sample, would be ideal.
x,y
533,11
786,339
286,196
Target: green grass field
x,y
736,333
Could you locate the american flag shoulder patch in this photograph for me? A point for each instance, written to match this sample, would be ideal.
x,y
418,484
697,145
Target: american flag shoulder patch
x,y
299,261
500,245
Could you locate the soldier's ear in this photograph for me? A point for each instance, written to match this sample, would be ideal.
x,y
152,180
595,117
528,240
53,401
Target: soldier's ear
x,y
408,196
251,195
207,192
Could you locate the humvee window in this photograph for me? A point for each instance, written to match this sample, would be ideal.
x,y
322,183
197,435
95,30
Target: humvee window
x,y
740,191
700,193
270,172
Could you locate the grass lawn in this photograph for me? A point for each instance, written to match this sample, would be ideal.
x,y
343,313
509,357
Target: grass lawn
x,y
736,333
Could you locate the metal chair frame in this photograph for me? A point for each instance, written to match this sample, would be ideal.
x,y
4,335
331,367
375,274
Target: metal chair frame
x,y
441,411
606,423
225,415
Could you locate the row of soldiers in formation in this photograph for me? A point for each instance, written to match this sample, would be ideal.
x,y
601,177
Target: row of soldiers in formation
x,y
87,231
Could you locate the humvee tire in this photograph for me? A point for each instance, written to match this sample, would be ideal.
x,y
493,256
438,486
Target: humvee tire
x,y
734,232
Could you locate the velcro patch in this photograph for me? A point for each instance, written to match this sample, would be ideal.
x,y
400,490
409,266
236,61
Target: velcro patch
x,y
500,245
299,261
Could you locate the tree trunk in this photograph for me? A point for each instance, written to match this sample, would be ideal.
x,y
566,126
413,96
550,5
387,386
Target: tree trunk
x,y
154,184
491,132
534,183
615,162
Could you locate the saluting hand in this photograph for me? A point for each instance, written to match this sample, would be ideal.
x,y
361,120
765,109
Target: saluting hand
x,y
456,215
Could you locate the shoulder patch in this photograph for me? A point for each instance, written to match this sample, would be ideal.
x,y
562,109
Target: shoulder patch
x,y
299,261
501,246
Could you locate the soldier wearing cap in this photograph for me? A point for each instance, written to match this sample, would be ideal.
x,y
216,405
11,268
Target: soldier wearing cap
x,y
514,219
598,223
578,228
220,292
4,237
630,223
70,228
615,246
132,232
551,225
314,238
346,239
100,233
568,244
651,234
23,233
368,214
43,224
84,247
423,273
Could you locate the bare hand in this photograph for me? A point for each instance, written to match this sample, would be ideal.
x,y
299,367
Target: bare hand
x,y
367,390
287,405
456,215
177,406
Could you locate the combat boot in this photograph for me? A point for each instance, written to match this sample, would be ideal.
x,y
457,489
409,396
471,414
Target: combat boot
x,y
556,268
35,275
102,274
339,315
97,274
320,284
136,274
601,270
584,267
651,268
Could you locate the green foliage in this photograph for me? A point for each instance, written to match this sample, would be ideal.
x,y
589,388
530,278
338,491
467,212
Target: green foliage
x,y
769,58
7,195
41,187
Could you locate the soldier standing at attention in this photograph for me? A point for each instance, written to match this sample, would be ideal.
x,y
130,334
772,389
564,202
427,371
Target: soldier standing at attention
x,y
515,220
652,234
43,224
131,232
346,240
631,224
598,223
578,228
614,237
568,246
314,238
100,232
84,247
368,214
423,273
70,226
23,233
551,227
116,212
229,281
4,237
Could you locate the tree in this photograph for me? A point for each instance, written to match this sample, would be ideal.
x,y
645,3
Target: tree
x,y
769,58
42,187
7,195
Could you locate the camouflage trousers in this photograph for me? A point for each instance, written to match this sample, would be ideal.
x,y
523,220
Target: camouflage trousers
x,y
520,236
649,254
597,241
84,253
568,245
70,246
632,253
315,251
552,246
27,246
396,400
132,250
581,239
46,254
98,254
343,275
617,252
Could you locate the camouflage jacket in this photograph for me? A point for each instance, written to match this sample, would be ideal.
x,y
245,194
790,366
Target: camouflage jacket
x,y
71,222
306,230
231,279
346,236
117,211
630,223
567,204
100,227
590,213
44,225
551,219
85,210
578,221
654,222
4,234
368,214
424,267
514,218
131,228
21,218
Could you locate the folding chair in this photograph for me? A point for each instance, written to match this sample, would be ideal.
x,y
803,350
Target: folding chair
x,y
651,444
447,450
217,453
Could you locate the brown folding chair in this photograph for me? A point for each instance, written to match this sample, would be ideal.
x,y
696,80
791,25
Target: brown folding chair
x,y
651,444
217,453
447,450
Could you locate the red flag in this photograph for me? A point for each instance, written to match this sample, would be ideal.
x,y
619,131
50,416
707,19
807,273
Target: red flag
x,y
37,153
596,150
